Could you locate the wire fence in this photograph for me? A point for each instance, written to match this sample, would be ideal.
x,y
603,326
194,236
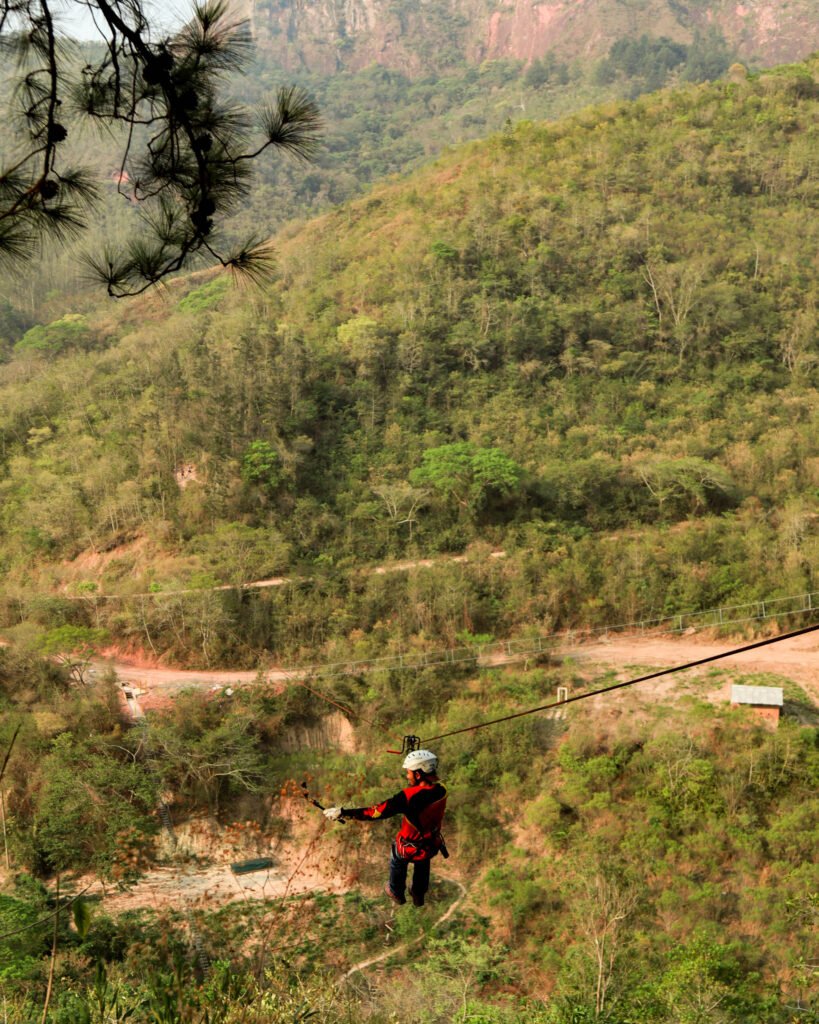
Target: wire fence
x,y
506,651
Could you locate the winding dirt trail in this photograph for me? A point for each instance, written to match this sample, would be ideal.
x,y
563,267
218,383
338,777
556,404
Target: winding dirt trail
x,y
796,659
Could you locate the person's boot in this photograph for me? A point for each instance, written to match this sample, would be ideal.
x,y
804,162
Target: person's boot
x,y
417,898
400,900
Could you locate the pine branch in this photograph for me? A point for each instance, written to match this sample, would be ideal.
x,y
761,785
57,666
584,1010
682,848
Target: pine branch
x,y
196,162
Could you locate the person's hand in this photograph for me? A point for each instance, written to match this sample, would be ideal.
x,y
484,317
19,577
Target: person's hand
x,y
332,813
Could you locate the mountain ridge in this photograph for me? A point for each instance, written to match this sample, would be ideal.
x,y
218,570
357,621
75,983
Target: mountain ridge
x,y
416,38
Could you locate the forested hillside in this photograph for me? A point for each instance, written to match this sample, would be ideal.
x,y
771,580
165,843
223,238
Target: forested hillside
x,y
592,344
377,122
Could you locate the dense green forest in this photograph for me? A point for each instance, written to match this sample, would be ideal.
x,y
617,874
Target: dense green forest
x,y
591,344
381,122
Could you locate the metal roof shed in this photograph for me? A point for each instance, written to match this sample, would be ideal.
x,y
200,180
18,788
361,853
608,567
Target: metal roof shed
x,y
765,701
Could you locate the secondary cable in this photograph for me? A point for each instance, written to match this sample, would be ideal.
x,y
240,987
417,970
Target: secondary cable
x,y
628,682
346,709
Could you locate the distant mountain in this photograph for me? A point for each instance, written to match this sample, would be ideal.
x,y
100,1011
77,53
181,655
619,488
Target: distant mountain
x,y
399,82
418,36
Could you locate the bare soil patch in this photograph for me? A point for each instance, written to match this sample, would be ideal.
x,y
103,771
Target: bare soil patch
x,y
211,886
796,659
95,561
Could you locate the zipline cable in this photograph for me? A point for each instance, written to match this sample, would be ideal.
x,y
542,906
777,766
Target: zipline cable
x,y
45,920
628,682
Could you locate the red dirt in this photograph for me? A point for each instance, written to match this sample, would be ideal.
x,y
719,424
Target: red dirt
x,y
796,659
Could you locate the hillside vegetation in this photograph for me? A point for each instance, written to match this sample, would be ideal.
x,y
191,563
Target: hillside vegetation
x,y
377,122
592,344
645,863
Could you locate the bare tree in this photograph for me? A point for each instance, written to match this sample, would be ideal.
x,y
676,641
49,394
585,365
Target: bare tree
x,y
603,905
675,291
187,152
402,503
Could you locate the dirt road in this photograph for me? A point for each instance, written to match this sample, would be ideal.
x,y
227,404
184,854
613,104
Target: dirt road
x,y
155,687
796,659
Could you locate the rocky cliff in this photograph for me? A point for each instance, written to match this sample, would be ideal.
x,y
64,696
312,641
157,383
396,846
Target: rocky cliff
x,y
417,36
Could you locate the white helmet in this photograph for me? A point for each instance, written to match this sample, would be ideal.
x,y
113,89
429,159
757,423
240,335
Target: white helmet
x,y
421,761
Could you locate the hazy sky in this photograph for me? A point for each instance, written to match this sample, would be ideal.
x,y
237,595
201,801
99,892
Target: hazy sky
x,y
75,18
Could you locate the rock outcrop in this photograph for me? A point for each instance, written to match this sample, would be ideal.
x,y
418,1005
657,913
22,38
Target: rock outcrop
x,y
419,36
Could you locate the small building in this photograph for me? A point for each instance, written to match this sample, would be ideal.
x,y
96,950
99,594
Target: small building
x,y
765,701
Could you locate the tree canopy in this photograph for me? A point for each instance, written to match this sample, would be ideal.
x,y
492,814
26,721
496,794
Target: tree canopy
x,y
590,344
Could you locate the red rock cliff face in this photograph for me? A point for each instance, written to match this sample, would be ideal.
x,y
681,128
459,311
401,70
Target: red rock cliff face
x,y
774,31
413,36
524,30
416,36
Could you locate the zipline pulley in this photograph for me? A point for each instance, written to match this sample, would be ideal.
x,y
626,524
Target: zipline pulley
x,y
408,744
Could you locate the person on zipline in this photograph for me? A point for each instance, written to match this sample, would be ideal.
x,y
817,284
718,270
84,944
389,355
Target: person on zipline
x,y
419,839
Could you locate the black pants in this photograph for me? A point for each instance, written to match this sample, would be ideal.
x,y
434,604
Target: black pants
x,y
398,874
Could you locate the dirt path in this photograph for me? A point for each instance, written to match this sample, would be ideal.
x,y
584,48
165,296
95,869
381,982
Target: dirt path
x,y
156,687
796,659
179,678
281,581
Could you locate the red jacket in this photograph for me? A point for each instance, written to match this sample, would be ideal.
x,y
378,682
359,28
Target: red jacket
x,y
423,807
